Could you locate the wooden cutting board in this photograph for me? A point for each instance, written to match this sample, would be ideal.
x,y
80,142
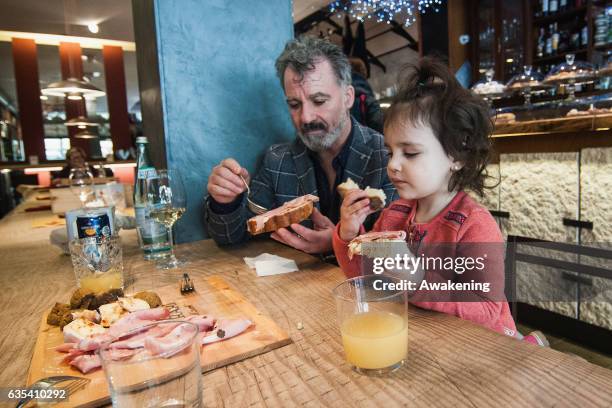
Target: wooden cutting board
x,y
213,296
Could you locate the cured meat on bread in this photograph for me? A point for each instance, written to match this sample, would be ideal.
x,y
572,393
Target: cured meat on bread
x,y
354,247
377,197
291,212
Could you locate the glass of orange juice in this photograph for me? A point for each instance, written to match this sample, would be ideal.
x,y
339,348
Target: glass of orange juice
x,y
98,263
373,318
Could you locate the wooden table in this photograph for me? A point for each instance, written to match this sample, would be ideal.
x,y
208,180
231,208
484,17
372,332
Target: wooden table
x,y
451,362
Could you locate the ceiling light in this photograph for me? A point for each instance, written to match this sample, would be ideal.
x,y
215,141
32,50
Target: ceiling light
x,y
385,10
82,127
71,86
96,74
84,57
74,96
43,97
86,135
80,121
93,28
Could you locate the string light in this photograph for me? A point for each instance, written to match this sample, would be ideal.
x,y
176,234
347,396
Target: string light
x,y
385,10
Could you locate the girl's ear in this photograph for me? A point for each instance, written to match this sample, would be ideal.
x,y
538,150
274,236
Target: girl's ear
x,y
349,96
456,165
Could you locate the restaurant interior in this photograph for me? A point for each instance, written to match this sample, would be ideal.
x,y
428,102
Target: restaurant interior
x,y
144,85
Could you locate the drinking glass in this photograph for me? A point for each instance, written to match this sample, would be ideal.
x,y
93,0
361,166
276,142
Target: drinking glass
x,y
165,202
373,318
82,184
98,263
162,374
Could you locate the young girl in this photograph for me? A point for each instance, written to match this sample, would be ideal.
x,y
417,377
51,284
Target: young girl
x,y
437,137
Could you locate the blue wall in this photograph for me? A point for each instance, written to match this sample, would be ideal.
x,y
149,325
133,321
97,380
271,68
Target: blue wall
x,y
219,89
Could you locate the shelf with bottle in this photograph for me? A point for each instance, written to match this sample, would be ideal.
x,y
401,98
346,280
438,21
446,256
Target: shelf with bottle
x,y
549,60
557,39
568,13
603,48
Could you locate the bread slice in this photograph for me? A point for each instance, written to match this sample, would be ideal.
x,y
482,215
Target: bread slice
x,y
291,212
348,185
354,247
377,197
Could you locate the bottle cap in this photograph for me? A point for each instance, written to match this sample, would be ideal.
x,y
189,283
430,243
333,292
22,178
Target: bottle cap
x,y
142,139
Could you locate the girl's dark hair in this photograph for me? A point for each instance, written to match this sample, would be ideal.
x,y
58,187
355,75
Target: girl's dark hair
x,y
430,95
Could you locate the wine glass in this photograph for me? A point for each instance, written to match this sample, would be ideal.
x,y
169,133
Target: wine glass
x,y
82,184
165,203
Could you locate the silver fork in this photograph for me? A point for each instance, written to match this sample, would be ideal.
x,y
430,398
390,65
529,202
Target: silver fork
x,y
74,384
256,208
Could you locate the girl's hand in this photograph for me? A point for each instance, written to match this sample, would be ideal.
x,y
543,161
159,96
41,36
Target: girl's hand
x,y
353,212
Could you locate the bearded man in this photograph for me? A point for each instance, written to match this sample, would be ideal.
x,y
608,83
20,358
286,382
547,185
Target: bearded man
x,y
330,147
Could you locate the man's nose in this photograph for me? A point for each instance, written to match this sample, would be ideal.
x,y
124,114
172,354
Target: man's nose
x,y
307,114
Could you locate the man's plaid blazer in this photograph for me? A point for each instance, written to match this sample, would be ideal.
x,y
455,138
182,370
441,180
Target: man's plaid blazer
x,y
287,172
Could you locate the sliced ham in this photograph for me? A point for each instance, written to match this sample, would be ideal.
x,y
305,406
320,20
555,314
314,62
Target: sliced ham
x,y
86,362
94,342
65,347
172,343
204,322
72,354
354,247
120,354
227,328
137,340
137,320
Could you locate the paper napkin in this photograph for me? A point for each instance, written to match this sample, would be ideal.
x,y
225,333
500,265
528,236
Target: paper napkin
x,y
268,264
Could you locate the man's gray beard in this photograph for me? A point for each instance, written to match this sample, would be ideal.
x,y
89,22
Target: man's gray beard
x,y
318,144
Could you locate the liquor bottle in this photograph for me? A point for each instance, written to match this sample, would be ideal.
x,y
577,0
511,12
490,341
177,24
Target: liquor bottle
x,y
152,236
555,38
548,50
584,36
553,6
545,7
541,43
564,40
562,5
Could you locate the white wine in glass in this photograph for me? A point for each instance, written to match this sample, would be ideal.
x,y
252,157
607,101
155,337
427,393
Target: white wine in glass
x,y
166,203
167,216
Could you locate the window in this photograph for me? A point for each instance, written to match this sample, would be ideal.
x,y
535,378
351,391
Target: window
x,y
56,148
106,146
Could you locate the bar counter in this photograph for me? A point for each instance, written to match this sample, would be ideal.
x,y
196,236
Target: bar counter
x,y
451,362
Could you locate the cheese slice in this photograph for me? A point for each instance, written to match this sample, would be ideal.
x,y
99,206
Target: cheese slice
x,y
80,329
110,313
133,304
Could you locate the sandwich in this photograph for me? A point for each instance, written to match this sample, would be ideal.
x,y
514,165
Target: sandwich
x,y
291,212
355,246
377,197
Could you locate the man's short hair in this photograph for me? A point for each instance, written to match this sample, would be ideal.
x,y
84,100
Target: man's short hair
x,y
75,149
302,53
359,66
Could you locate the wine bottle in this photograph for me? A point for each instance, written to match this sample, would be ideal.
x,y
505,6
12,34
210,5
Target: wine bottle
x,y
555,38
152,236
553,6
541,43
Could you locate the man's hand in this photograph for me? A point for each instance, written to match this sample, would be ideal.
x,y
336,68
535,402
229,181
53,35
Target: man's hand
x,y
312,241
224,183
